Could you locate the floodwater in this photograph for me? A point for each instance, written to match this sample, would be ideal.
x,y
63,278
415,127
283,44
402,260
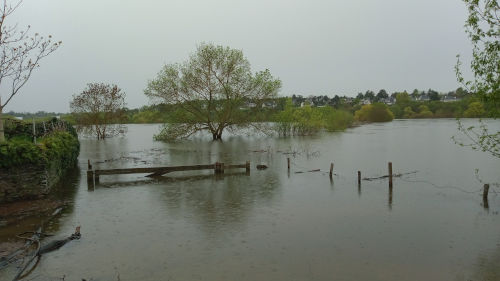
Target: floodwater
x,y
279,225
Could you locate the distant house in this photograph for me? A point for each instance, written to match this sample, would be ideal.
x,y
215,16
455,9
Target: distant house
x,y
424,98
269,105
304,103
450,98
389,101
18,117
366,101
248,105
348,100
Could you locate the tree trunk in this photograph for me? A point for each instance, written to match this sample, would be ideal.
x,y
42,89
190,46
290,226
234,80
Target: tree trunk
x,y
2,135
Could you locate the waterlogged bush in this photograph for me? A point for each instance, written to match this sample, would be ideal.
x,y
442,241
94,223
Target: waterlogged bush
x,y
376,112
307,120
336,120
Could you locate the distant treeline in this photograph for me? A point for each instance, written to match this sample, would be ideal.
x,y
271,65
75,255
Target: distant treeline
x,y
402,105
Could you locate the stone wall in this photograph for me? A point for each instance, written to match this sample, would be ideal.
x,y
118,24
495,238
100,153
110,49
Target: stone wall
x,y
28,170
28,182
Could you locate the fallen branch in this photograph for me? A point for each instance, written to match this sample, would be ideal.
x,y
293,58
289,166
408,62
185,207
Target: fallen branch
x,y
310,171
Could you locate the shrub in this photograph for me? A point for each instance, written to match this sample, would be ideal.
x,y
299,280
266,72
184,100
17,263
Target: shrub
x,y
307,120
475,110
57,143
376,112
424,112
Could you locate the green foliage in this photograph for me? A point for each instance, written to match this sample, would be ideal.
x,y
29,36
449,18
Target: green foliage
x,y
480,138
408,113
424,112
403,99
307,120
408,109
18,152
147,117
475,110
211,87
57,142
483,28
61,147
376,112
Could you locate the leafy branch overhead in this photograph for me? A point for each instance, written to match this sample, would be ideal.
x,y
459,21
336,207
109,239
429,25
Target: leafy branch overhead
x,y
20,54
483,28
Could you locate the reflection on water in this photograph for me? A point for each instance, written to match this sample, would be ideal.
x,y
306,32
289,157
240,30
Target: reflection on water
x,y
487,265
277,224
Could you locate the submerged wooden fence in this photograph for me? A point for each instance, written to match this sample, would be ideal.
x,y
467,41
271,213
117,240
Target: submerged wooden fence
x,y
93,175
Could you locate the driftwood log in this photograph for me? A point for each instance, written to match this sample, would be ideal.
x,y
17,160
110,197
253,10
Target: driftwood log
x,y
35,238
56,244
51,246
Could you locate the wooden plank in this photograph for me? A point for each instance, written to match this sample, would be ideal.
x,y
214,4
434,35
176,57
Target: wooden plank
x,y
242,166
152,170
158,171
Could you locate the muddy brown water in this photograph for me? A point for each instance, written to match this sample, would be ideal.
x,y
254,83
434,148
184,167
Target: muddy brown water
x,y
275,225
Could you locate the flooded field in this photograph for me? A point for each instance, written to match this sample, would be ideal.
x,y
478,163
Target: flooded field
x,y
277,224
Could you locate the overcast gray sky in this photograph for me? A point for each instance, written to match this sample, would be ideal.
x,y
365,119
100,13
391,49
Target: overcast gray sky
x,y
314,47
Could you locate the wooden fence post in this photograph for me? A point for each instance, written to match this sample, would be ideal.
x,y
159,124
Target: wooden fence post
x,y
485,191
331,170
288,162
359,177
390,174
247,167
90,176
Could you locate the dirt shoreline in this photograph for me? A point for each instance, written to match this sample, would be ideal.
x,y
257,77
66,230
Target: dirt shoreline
x,y
16,211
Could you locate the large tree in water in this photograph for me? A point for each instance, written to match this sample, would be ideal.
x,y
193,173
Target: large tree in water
x,y
213,90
